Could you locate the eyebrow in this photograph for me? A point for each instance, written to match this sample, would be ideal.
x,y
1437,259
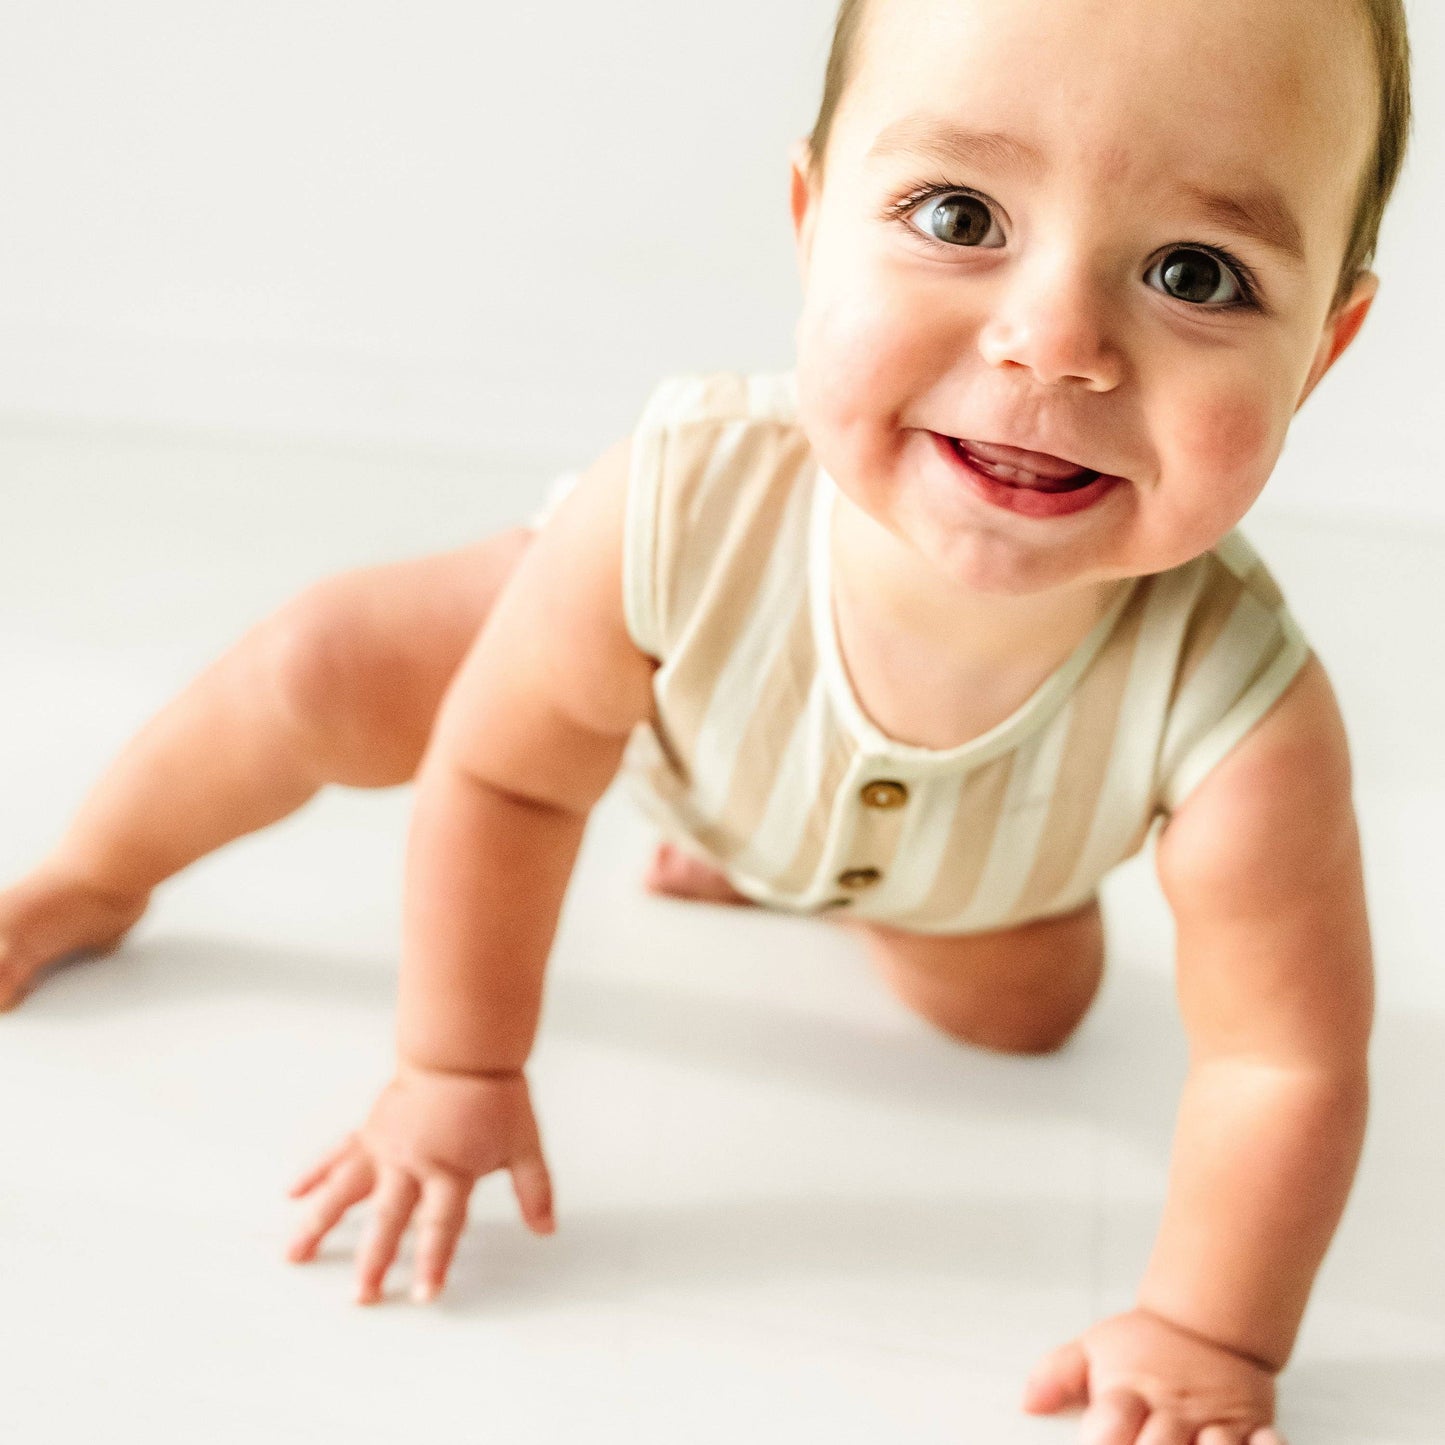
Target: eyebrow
x,y
1258,211
930,135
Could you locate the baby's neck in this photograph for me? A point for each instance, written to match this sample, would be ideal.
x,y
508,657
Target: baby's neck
x,y
892,603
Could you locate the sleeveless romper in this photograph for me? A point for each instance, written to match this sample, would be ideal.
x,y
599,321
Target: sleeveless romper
x,y
762,761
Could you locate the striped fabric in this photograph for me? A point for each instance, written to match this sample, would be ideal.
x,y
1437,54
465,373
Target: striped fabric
x,y
762,761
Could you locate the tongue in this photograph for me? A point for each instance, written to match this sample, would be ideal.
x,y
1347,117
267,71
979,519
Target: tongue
x,y
1049,469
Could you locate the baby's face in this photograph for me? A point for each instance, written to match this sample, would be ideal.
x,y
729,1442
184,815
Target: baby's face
x,y
1082,303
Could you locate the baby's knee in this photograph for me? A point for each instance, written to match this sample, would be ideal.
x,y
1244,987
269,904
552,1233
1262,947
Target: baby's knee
x,y
358,663
309,651
1025,1035
1024,991
345,695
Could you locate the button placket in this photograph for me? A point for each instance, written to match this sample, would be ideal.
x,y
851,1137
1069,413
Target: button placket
x,y
884,793
876,832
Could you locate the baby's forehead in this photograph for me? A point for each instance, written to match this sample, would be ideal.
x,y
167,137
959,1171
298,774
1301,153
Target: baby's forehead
x,y
1143,30
1137,84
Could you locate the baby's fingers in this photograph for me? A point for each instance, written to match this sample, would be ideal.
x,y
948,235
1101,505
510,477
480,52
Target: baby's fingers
x,y
1222,1435
308,1181
532,1184
352,1179
440,1221
1239,1435
396,1197
1162,1428
1113,1418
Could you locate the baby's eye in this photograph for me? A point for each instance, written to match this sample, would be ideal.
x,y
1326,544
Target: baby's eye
x,y
1196,276
956,218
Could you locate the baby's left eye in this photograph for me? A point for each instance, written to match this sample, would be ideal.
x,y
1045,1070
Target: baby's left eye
x,y
1194,275
960,219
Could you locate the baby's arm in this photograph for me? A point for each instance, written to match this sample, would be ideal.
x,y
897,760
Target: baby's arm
x,y
1261,867
528,737
1262,870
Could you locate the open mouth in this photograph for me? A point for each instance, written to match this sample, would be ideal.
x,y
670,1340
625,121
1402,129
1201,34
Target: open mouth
x,y
1043,474
1026,484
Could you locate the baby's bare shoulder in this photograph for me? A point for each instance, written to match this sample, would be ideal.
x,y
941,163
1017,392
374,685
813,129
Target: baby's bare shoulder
x,y
1262,870
575,582
1283,789
554,684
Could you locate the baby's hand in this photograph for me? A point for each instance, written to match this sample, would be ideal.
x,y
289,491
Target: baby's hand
x,y
1145,1380
430,1136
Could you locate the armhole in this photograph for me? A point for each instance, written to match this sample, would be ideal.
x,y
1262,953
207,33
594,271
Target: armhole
x,y
1248,710
650,540
642,601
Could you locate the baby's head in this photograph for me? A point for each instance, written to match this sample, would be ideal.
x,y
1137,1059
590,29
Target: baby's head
x,y
1149,284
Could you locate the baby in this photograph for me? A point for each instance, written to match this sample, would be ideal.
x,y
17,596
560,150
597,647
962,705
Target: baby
x,y
923,636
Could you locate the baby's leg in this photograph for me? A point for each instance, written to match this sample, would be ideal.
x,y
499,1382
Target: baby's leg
x,y
1016,990
674,873
340,685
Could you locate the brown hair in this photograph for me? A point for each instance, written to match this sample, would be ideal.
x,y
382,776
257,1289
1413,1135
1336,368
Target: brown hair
x,y
1391,38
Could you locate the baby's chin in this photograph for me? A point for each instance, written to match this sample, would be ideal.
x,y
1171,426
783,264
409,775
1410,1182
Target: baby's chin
x,y
985,565
960,540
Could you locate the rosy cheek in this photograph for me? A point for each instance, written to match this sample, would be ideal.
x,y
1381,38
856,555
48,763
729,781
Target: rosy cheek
x,y
836,373
846,328
853,387
1231,438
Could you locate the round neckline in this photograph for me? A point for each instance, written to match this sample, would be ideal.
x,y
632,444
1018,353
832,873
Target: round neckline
x,y
1033,712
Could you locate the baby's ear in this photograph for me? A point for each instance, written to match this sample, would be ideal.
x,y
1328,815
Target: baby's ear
x,y
800,155
800,165
1341,328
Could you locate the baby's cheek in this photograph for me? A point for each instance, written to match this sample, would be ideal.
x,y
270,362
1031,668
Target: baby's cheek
x,y
1233,438
850,358
864,345
1216,454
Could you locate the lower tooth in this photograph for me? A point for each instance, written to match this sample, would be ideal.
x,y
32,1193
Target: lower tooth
x,y
1031,481
1012,477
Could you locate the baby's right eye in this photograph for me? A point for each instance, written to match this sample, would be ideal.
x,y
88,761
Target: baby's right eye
x,y
956,219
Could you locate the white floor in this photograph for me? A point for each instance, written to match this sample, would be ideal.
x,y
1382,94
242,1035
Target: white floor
x,y
787,1210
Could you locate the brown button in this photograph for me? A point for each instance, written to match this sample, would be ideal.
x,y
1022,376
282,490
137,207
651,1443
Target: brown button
x,y
859,877
882,794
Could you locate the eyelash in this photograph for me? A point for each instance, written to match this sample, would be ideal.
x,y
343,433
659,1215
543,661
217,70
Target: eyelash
x,y
901,209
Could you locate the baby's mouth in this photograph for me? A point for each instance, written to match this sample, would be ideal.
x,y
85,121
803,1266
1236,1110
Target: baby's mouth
x,y
1031,470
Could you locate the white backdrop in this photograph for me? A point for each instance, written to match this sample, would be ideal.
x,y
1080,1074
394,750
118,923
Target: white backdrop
x,y
493,227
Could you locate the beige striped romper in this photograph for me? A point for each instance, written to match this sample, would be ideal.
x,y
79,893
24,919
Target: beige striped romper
x,y
763,762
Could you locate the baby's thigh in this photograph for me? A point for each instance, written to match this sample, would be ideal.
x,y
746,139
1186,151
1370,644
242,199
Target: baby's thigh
x,y
1016,990
366,656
